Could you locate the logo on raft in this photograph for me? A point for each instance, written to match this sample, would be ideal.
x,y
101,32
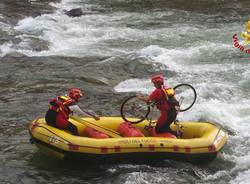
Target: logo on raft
x,y
246,36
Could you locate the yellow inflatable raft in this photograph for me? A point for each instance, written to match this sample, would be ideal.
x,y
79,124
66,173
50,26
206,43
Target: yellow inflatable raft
x,y
200,141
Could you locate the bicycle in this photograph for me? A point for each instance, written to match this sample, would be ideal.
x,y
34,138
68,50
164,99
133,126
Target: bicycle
x,y
135,110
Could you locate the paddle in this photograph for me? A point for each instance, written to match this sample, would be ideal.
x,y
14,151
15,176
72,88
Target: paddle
x,y
105,130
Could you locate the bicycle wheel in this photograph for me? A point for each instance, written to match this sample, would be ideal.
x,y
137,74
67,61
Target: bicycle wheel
x,y
186,95
134,110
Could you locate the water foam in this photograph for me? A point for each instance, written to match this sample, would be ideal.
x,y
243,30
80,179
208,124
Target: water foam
x,y
179,59
76,37
241,178
93,34
134,85
6,48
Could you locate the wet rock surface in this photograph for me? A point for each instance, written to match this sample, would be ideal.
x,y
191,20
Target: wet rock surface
x,y
76,12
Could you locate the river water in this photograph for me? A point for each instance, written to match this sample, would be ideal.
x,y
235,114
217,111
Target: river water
x,y
110,50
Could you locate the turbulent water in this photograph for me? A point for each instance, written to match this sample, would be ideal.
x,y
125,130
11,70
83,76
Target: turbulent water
x,y
112,49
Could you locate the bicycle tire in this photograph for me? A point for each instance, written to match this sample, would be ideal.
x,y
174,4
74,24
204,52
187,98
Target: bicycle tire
x,y
194,95
133,120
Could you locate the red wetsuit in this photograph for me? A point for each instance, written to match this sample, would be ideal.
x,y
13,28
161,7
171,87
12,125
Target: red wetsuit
x,y
168,113
58,114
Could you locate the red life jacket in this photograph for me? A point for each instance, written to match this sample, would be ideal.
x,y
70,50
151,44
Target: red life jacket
x,y
60,104
161,96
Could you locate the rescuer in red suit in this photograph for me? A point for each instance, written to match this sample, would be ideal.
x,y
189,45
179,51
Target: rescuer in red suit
x,y
60,109
166,102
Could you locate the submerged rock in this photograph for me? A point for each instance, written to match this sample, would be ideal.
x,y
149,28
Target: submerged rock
x,y
76,12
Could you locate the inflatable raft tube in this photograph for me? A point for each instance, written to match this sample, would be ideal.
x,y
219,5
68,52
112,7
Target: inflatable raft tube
x,y
199,141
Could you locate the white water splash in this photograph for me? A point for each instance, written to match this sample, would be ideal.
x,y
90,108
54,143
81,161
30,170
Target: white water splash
x,y
180,59
6,48
241,178
134,85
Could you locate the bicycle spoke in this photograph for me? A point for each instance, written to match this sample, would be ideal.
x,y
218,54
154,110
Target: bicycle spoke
x,y
134,110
